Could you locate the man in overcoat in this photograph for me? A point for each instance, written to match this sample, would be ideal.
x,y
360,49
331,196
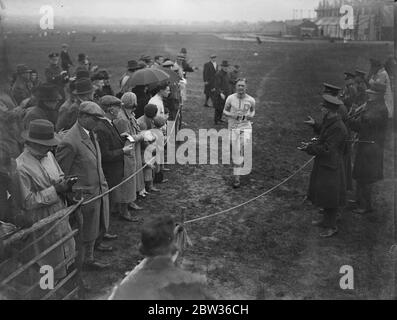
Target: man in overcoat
x,y
113,148
327,188
55,75
371,126
209,71
42,187
221,91
79,155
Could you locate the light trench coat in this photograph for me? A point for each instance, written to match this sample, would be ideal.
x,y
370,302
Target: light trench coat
x,y
39,200
133,160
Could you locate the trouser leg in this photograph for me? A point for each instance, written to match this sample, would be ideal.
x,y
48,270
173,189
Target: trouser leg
x,y
330,218
358,193
366,191
88,249
207,97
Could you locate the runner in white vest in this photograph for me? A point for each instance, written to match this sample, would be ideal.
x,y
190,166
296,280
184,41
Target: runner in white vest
x,y
240,109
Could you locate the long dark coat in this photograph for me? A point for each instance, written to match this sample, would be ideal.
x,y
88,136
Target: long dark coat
x,y
142,100
347,155
371,126
78,156
209,76
21,90
222,83
39,113
327,187
53,75
67,115
111,145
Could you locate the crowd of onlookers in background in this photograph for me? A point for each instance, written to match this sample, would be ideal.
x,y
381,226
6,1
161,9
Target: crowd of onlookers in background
x,y
74,135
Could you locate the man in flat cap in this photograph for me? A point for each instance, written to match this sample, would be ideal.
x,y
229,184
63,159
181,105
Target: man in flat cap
x,y
146,59
327,189
113,148
22,86
55,75
79,155
209,71
371,126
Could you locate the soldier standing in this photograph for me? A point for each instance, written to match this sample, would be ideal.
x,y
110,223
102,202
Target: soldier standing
x,y
371,126
327,188
55,75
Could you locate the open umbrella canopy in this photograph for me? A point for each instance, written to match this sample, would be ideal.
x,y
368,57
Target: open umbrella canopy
x,y
146,76
174,77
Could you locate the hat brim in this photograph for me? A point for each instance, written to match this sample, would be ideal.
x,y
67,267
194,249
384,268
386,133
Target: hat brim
x,y
24,71
50,143
84,92
369,91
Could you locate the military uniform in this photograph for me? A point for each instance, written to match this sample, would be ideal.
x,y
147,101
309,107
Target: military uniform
x,y
371,126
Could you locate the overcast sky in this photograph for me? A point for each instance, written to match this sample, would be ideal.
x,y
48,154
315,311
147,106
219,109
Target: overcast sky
x,y
189,10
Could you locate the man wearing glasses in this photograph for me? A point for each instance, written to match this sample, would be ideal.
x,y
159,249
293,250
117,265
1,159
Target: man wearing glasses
x,y
240,110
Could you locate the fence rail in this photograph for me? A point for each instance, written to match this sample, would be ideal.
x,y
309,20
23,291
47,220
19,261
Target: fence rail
x,y
76,259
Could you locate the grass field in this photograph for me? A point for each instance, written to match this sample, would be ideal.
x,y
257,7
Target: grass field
x,y
267,249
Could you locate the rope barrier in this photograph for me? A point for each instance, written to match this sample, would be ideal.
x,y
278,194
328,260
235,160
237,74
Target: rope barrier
x,y
255,198
132,175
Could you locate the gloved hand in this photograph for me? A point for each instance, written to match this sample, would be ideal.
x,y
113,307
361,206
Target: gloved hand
x,y
65,185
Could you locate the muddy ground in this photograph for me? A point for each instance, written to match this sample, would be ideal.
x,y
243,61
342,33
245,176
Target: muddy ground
x,y
267,249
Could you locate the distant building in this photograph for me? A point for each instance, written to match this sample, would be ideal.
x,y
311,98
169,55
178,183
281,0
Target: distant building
x,y
301,28
373,19
273,28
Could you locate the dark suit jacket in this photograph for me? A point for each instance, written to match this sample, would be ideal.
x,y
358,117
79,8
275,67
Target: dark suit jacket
x,y
20,91
66,62
209,74
78,156
222,83
39,113
111,145
53,75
